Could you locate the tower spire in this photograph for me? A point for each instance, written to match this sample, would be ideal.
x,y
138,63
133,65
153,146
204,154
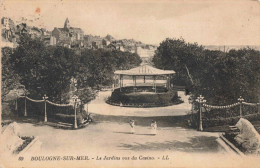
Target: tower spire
x,y
67,23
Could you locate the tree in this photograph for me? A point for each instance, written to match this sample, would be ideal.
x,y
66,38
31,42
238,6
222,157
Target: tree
x,y
182,57
10,79
97,66
221,77
44,70
49,69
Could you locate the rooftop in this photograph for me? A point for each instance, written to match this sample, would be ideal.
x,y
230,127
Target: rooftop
x,y
144,70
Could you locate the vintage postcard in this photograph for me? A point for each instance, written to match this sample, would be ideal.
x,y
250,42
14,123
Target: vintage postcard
x,y
130,83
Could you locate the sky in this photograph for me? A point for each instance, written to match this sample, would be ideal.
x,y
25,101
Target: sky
x,y
207,22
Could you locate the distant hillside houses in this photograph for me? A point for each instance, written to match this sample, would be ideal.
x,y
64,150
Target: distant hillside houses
x,y
71,37
68,36
8,32
145,52
11,33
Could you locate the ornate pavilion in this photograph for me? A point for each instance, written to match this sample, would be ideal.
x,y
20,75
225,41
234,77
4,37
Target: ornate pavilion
x,y
144,71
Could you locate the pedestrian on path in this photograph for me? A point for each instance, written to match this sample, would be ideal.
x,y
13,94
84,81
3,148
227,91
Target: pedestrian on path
x,y
132,125
154,127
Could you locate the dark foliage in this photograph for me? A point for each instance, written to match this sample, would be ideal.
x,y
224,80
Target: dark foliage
x,y
49,69
221,77
10,79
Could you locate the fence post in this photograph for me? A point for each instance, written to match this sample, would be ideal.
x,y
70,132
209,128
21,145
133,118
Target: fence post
x,y
240,99
45,107
200,100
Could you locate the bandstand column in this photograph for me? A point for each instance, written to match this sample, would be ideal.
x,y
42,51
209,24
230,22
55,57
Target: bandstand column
x,y
170,78
114,82
167,81
135,81
120,82
154,83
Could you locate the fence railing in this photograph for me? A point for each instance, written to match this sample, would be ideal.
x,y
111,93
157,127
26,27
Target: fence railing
x,y
231,111
50,109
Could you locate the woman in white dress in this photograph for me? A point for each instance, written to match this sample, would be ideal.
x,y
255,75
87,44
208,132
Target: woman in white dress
x,y
154,127
132,125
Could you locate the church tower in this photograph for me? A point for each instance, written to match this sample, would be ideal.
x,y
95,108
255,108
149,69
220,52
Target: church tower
x,y
67,24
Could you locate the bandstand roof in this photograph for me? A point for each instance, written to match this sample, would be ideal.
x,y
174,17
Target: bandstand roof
x,y
144,70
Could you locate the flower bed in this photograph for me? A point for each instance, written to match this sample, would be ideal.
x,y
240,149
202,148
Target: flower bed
x,y
230,137
143,97
218,121
27,141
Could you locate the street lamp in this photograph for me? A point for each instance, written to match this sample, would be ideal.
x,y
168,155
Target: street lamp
x,y
191,102
16,100
200,100
45,107
74,81
240,99
76,103
25,92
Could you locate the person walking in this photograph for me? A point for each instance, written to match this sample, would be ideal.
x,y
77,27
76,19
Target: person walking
x,y
154,127
132,125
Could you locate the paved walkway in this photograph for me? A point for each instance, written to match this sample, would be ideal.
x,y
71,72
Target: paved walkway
x,y
116,137
183,147
99,106
112,139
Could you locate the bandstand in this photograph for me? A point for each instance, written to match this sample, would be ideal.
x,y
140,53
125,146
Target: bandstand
x,y
143,86
144,71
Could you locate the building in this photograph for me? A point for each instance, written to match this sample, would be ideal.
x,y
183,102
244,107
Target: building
x,y
35,32
145,53
68,36
8,29
105,42
94,42
7,23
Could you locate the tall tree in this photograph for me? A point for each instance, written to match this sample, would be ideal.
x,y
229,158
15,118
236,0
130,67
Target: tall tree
x,y
221,77
44,70
10,79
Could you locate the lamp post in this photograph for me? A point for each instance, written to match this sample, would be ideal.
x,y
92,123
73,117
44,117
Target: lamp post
x,y
200,100
240,99
76,100
74,81
191,102
25,108
16,100
45,107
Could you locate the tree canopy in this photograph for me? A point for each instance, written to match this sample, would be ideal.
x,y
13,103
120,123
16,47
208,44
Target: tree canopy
x,y
221,77
49,69
10,79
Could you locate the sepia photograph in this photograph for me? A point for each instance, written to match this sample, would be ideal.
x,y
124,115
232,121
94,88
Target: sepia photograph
x,y
130,83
